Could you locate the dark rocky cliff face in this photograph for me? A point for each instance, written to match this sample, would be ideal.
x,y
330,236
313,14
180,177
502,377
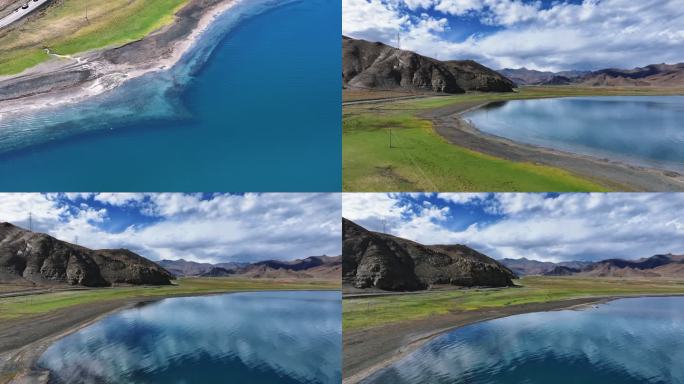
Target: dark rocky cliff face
x,y
44,260
371,259
367,65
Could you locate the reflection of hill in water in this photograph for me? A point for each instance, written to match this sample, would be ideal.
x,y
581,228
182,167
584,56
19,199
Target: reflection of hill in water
x,y
265,337
604,345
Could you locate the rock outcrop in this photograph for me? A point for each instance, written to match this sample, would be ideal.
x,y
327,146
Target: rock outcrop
x,y
41,259
377,260
367,65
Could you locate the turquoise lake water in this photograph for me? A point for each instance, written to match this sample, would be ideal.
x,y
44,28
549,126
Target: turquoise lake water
x,y
626,341
643,130
258,337
254,107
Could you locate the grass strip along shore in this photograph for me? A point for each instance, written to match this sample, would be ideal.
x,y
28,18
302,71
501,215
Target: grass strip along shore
x,y
67,27
421,159
20,307
361,313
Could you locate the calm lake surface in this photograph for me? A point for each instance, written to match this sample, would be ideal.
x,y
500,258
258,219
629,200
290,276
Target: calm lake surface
x,y
643,130
259,337
626,341
261,87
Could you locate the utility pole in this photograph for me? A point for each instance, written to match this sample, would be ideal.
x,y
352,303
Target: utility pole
x,y
30,222
86,9
398,40
390,136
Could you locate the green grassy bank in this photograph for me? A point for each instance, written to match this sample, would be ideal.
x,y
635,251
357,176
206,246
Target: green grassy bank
x,y
64,28
360,313
31,305
421,160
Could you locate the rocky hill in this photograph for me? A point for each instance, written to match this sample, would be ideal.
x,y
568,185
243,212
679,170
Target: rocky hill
x,y
377,260
367,65
40,259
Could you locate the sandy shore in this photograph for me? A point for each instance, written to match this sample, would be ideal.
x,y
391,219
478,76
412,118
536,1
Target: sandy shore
x,y
614,175
70,79
369,350
24,340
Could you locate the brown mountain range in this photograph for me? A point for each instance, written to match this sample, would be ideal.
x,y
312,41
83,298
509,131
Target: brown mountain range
x,y
320,267
654,75
666,266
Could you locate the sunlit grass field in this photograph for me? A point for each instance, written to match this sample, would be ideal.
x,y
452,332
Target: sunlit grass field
x,y
64,29
421,160
360,313
22,306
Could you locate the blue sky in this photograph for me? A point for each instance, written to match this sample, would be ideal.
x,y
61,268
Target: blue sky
x,y
545,35
549,227
199,227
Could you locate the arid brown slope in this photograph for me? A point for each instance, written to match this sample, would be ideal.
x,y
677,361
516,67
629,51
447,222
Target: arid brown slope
x,y
377,260
655,75
321,267
669,266
40,259
367,65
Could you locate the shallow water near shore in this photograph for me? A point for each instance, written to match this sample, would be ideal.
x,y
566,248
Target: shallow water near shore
x,y
256,337
641,130
639,340
261,85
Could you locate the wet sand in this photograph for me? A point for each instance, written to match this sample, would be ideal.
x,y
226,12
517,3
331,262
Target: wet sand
x,y
24,340
614,175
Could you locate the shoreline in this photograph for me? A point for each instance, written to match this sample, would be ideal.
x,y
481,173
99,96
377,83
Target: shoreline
x,y
20,362
392,342
69,79
614,174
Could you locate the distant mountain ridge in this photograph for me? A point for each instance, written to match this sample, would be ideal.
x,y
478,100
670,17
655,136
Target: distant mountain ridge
x,y
310,267
368,65
524,266
182,267
382,261
40,259
654,75
669,265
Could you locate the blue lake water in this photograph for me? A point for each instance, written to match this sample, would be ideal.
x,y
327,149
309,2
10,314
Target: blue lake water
x,y
255,106
258,337
643,130
626,341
